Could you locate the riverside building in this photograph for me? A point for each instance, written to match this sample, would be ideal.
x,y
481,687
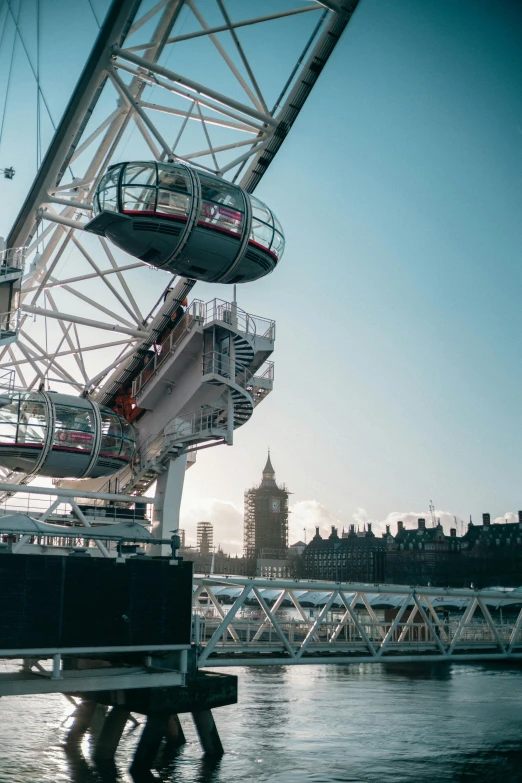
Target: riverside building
x,y
486,555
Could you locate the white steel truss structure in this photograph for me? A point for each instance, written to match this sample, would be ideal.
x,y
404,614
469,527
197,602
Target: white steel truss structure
x,y
259,622
172,80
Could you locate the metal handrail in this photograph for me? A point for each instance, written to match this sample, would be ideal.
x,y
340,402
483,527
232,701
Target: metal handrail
x,y
7,379
11,258
268,371
230,314
199,425
10,321
201,313
216,363
193,315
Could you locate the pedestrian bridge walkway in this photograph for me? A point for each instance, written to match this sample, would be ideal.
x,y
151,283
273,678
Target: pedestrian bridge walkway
x,y
255,622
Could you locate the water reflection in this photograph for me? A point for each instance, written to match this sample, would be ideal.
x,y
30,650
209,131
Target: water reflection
x,y
427,671
502,762
309,724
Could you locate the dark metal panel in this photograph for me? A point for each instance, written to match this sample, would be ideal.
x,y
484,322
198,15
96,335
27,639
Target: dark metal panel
x,y
52,601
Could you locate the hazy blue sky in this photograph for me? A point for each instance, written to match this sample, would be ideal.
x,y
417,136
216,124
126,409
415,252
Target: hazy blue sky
x,y
399,300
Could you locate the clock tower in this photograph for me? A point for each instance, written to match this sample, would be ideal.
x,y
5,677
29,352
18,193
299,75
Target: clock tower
x,y
266,519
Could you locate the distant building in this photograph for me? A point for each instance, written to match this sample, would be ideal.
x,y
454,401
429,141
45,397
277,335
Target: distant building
x,y
297,549
423,555
214,562
486,555
266,520
205,537
354,558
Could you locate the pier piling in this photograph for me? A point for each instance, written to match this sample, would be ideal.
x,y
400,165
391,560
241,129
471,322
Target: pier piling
x,y
107,741
83,715
150,741
174,734
208,733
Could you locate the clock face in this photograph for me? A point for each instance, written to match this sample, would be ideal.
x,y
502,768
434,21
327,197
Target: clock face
x,y
274,505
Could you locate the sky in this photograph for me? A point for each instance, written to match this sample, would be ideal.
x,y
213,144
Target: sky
x,y
397,301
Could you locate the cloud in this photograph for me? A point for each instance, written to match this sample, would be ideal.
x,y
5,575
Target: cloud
x,y
228,521
309,514
509,516
226,518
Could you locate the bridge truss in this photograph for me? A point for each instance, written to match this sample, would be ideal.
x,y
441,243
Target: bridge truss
x,y
260,622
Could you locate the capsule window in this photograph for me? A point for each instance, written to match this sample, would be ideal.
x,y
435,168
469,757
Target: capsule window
x,y
111,434
110,179
222,205
278,244
129,444
106,197
127,449
9,421
173,179
107,200
32,422
175,204
261,233
74,428
139,199
260,211
140,174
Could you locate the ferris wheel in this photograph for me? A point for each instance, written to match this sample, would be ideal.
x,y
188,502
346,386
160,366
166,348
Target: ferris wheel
x,y
145,188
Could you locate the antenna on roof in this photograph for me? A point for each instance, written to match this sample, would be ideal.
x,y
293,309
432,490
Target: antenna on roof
x,y
432,512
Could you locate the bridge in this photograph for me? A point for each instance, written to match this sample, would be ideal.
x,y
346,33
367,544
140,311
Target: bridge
x,y
270,622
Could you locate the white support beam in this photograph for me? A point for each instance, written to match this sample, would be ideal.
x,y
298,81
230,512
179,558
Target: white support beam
x,y
134,103
60,492
177,78
224,624
273,620
76,319
224,27
85,522
44,214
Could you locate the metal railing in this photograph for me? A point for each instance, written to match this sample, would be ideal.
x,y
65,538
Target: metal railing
x,y
180,431
10,322
266,371
194,316
7,382
229,313
199,313
11,259
216,363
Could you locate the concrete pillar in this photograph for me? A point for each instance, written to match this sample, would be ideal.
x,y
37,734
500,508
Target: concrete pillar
x,y
174,732
110,734
82,715
150,741
97,720
208,733
169,488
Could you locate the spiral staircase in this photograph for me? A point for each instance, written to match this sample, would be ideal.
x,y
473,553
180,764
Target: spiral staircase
x,y
220,398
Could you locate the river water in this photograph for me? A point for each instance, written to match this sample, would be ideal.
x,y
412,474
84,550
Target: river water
x,y
312,724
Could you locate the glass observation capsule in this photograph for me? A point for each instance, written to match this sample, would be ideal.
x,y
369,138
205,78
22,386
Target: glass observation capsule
x,y
177,218
62,436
